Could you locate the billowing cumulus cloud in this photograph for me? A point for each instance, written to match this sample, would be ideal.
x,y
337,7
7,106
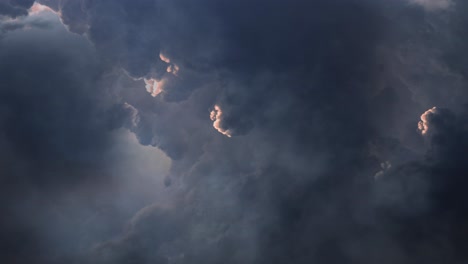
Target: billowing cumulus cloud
x,y
251,132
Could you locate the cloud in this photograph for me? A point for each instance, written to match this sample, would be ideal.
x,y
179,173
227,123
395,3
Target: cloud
x,y
424,194
317,98
149,230
279,89
433,5
15,8
154,87
423,125
437,123
37,8
65,158
216,116
171,68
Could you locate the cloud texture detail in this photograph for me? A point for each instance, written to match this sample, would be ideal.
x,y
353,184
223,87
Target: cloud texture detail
x,y
267,131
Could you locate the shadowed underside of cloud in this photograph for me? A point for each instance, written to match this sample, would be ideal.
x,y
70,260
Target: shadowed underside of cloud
x,y
298,132
14,8
62,171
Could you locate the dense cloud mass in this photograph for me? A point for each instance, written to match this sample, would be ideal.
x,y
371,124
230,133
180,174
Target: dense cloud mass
x,y
432,5
268,131
14,8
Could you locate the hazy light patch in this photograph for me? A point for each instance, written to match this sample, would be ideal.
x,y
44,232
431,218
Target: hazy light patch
x,y
423,125
385,166
217,116
139,169
148,159
433,5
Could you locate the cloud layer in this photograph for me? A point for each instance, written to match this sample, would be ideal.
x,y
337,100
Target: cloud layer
x,y
207,131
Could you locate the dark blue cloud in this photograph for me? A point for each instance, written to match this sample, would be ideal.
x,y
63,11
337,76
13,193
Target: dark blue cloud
x,y
322,99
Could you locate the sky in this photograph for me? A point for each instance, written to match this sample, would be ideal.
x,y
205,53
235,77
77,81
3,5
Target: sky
x,y
236,132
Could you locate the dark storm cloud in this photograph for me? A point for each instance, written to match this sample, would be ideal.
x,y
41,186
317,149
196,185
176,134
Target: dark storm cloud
x,y
294,79
51,130
57,144
14,8
125,32
142,241
424,198
320,101
31,109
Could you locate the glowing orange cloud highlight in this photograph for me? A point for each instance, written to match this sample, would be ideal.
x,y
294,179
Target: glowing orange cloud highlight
x,y
37,8
154,87
164,58
174,69
217,116
171,68
423,125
